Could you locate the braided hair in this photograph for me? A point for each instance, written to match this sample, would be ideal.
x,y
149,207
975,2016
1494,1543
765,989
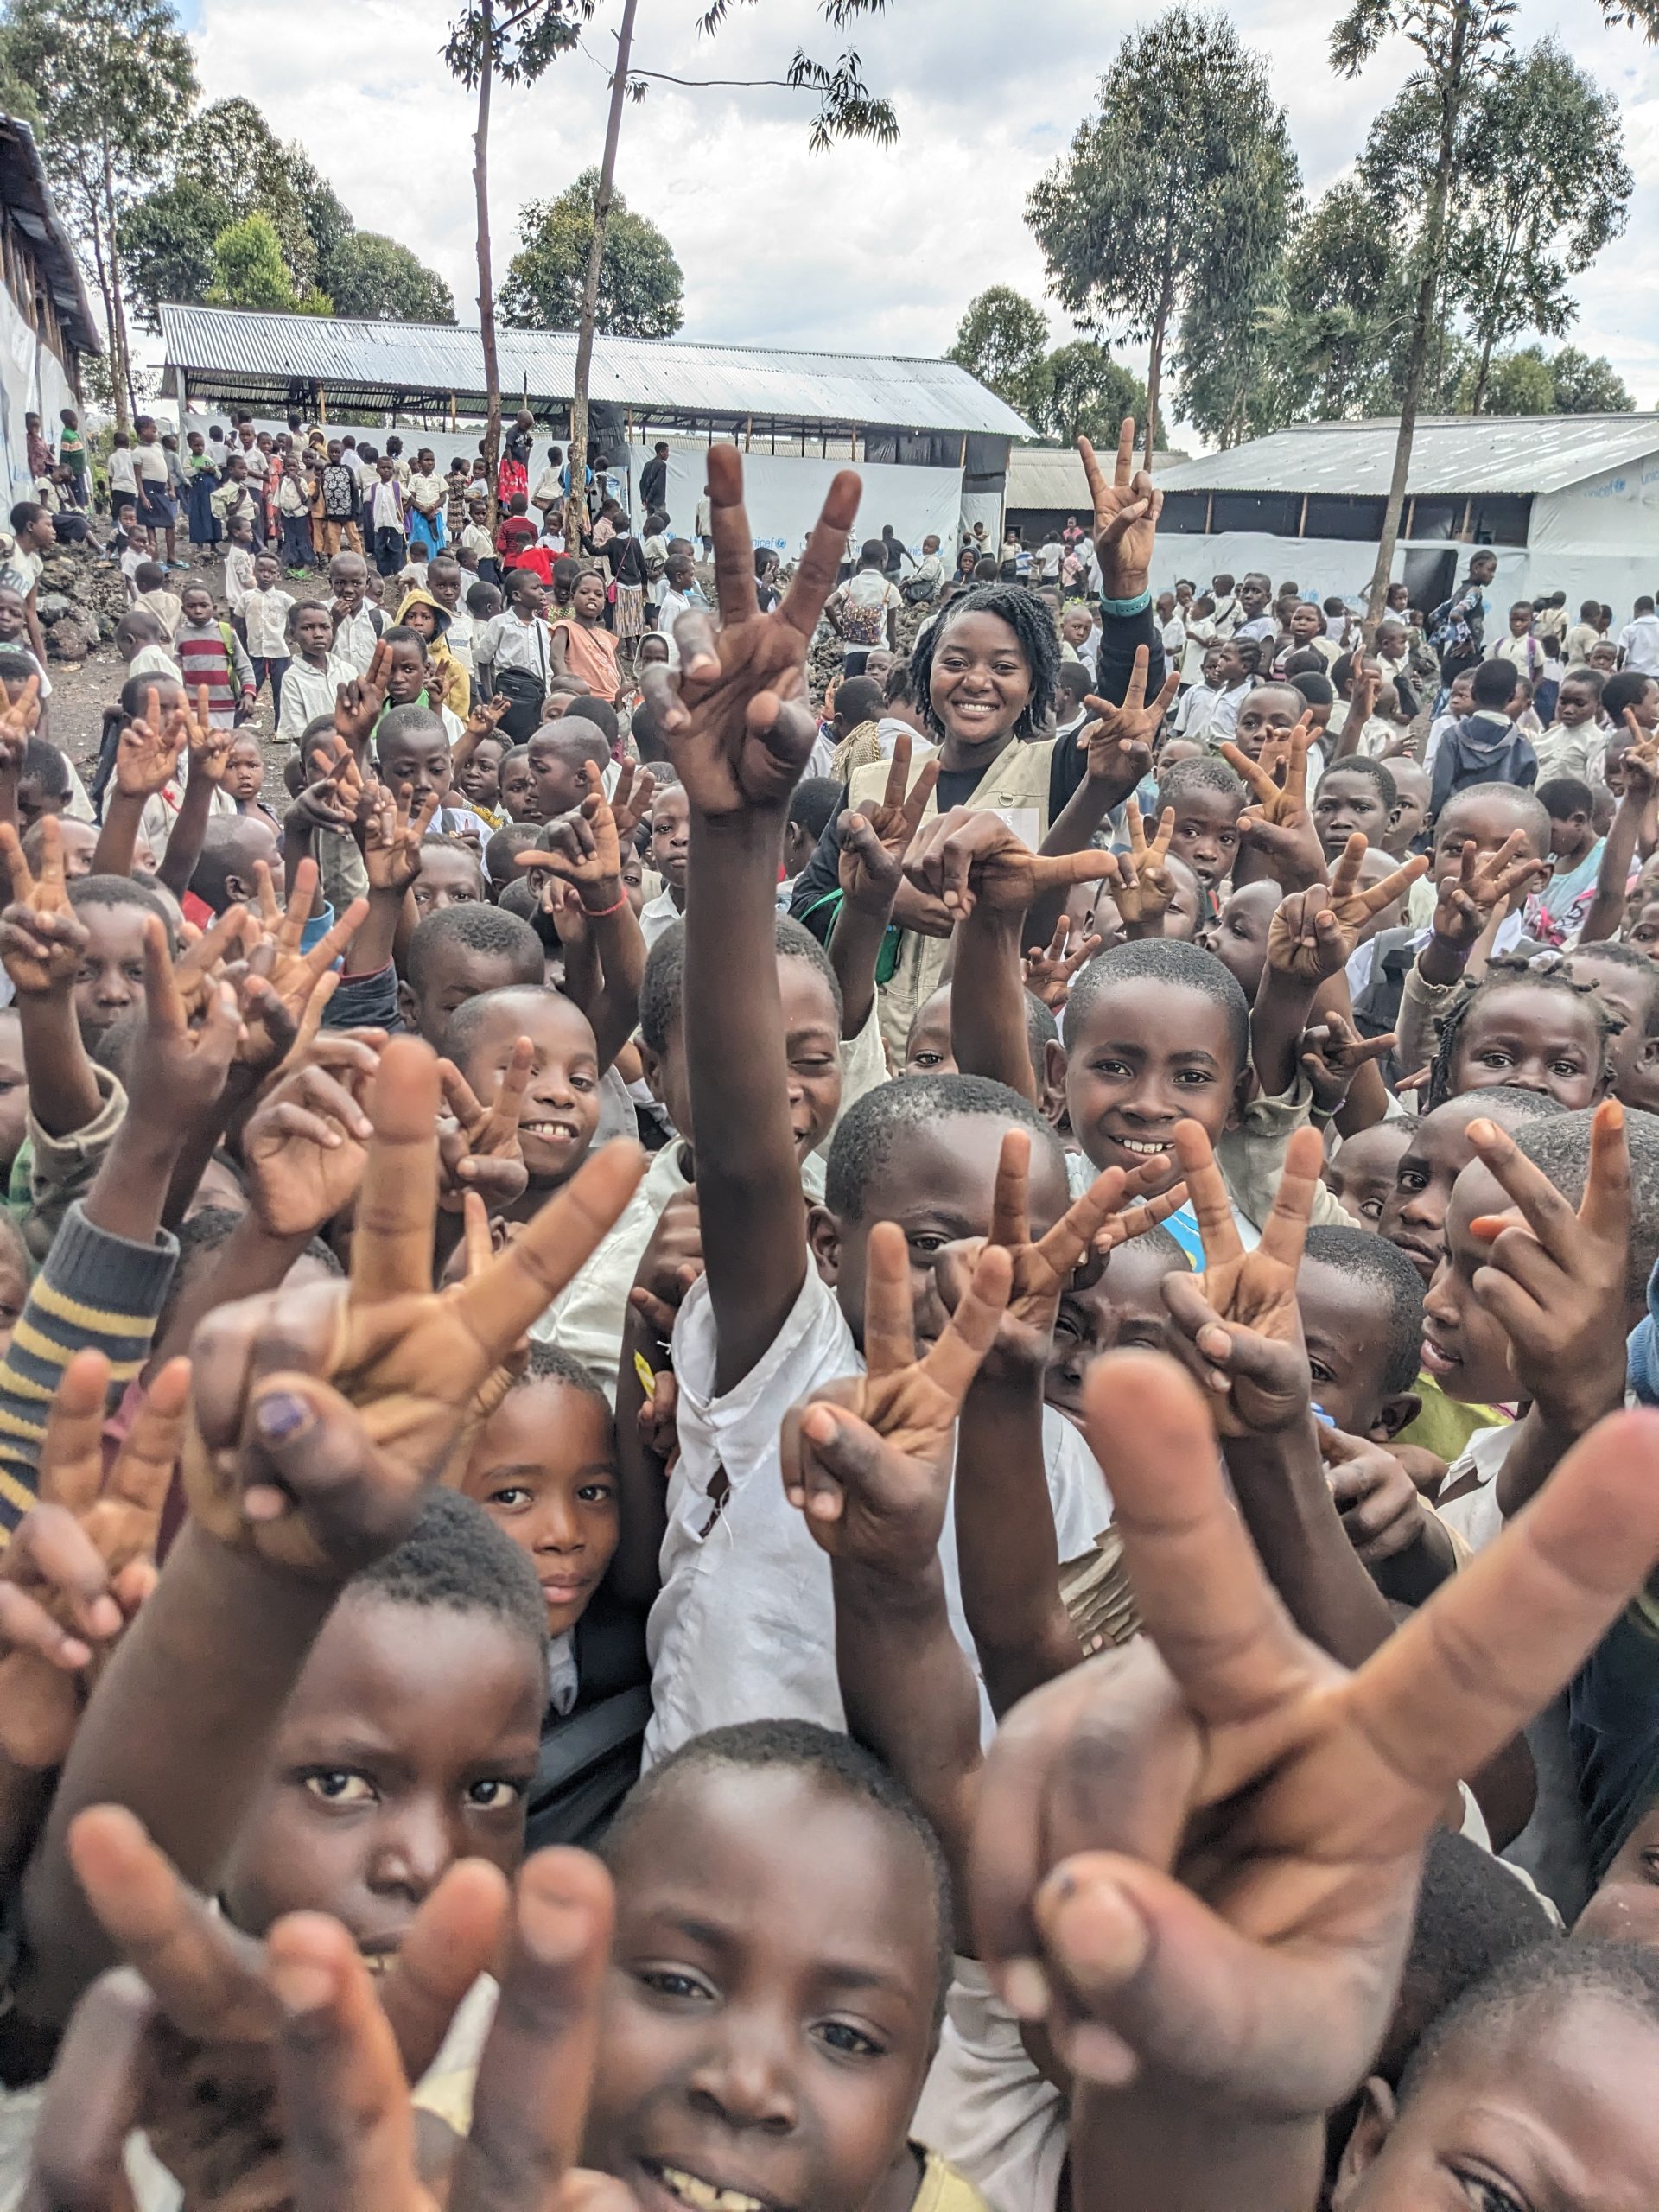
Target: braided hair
x,y
1547,974
1032,623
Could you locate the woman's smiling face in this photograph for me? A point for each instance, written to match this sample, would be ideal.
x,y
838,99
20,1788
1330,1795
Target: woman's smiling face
x,y
981,681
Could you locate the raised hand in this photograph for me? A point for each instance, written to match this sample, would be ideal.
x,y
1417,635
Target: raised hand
x,y
867,1460
1145,886
1556,1279
358,705
479,1150
1277,823
1333,1052
1126,515
1313,933
1189,1849
391,833
304,1147
190,2046
18,719
1485,883
178,1066
41,936
1376,1501
292,974
1119,740
1097,1223
82,1561
1241,1312
971,853
321,1415
876,835
1048,972
584,849
630,802
208,749
733,712
147,751
669,1266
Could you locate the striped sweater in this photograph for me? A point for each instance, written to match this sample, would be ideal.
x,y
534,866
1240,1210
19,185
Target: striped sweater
x,y
212,653
95,1290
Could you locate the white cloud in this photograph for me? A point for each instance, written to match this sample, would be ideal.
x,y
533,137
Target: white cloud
x,y
858,248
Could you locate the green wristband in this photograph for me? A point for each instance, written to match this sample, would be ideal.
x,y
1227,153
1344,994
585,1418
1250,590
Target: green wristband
x,y
1124,607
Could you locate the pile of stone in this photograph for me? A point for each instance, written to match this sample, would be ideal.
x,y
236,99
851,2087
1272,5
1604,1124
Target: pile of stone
x,y
81,598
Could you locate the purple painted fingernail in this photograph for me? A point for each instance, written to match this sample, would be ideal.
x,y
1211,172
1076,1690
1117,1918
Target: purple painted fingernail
x,y
281,1415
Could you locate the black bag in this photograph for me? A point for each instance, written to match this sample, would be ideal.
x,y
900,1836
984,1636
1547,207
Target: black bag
x,y
528,693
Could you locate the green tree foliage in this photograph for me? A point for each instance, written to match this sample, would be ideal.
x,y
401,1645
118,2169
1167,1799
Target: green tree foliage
x,y
375,277
1000,339
1528,381
1549,188
1086,394
249,271
640,287
113,80
231,167
1181,186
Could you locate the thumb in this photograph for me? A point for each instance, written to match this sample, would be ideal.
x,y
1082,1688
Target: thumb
x,y
309,1457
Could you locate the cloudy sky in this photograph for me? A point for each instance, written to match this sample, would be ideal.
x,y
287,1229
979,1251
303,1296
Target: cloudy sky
x,y
857,249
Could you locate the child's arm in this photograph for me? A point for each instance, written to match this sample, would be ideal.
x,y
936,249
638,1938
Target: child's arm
x,y
1219,2040
866,1462
974,864
733,716
242,671
874,838
589,854
1006,1548
41,941
670,1264
146,759
209,750
1241,1318
1618,853
1310,938
290,1494
1118,748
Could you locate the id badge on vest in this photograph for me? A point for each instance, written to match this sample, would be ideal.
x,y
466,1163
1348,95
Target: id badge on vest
x,y
1025,822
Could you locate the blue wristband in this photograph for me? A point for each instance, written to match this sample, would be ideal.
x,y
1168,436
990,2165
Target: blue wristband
x,y
1123,608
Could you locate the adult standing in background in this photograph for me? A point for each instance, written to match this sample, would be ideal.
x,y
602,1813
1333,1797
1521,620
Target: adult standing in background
x,y
653,480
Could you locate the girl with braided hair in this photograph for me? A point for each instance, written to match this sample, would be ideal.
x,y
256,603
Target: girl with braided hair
x,y
1532,1027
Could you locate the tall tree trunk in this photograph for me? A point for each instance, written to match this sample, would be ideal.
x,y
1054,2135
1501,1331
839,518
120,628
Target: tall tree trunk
x,y
1483,376
1154,372
576,511
1452,92
485,279
100,270
121,362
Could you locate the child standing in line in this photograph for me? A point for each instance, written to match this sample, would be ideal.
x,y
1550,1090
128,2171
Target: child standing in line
x,y
314,671
264,616
581,644
209,653
385,519
238,567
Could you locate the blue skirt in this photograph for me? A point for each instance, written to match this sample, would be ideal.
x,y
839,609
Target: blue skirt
x,y
204,523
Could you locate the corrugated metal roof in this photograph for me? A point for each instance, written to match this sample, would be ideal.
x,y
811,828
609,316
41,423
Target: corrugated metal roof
x,y
1052,477
23,180
230,352
1459,453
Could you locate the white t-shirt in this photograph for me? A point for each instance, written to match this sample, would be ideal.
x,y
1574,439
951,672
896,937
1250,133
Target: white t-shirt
x,y
1638,641
149,463
744,1627
123,475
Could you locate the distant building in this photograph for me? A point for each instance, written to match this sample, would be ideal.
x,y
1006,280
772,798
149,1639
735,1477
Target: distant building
x,y
1047,488
930,443
1567,502
46,320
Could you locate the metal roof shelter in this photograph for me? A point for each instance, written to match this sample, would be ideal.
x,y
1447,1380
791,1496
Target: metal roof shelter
x,y
26,198
271,362
1458,452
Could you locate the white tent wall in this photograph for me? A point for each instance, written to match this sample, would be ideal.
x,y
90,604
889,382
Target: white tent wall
x,y
1599,539
784,492
1324,566
32,382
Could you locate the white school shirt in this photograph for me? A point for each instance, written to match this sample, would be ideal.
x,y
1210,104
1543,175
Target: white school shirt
x,y
744,1628
356,638
264,614
309,692
386,505
152,660
239,576
1638,642
508,641
123,476
657,915
458,636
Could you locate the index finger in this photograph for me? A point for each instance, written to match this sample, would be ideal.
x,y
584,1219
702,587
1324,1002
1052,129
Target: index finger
x,y
728,525
889,1321
22,883
921,791
1205,1601
1091,470
1493,1645
1134,696
1208,1193
820,564
397,1202
1242,765
529,2106
163,1008
1009,1219
144,1466
960,1350
898,773
1385,894
515,1081
1345,875
1077,1228
459,1096
525,1278
1548,1215
1285,1230
72,1456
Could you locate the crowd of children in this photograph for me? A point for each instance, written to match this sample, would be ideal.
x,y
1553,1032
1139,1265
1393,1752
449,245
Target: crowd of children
x,y
775,1454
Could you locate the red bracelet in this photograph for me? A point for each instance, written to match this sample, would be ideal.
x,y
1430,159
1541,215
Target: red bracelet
x,y
593,914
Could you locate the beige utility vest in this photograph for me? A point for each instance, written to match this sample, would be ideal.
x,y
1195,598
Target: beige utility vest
x,y
1015,786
